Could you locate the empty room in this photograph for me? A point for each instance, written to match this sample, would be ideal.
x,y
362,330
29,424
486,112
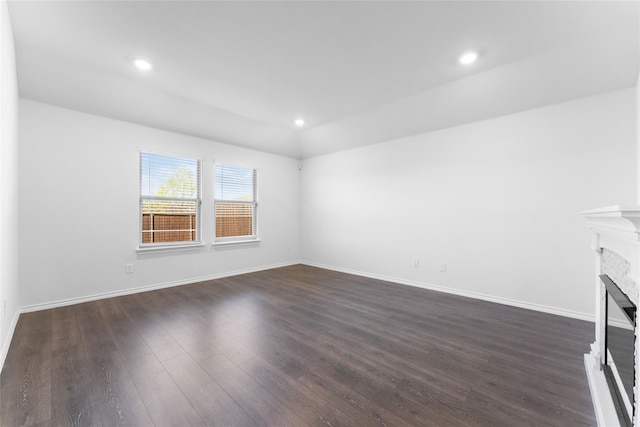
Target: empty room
x,y
319,213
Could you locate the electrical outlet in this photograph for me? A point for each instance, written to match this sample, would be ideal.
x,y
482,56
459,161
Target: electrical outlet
x,y
443,267
128,268
415,263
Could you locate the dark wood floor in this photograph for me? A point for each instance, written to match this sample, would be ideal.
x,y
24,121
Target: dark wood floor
x,y
296,346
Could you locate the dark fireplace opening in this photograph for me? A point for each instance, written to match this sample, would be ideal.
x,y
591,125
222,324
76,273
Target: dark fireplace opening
x,y
619,366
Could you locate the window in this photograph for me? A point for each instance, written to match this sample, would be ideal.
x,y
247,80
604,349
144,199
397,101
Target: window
x,y
235,203
169,200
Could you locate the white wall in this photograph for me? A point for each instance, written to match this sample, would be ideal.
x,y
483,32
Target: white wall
x,y
8,182
496,200
79,207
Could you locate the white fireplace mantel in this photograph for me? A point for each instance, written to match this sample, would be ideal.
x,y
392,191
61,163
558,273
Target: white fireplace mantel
x,y
615,229
616,222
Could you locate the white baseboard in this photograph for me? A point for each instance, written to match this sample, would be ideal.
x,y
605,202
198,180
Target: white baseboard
x,y
192,280
476,295
7,341
71,301
469,294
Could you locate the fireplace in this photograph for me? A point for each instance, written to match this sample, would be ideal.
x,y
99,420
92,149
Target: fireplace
x,y
612,365
620,318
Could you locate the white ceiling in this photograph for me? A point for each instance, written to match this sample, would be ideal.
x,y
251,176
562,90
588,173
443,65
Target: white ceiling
x,y
358,72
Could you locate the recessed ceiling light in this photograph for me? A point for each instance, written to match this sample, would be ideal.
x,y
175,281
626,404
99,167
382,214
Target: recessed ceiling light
x,y
299,122
142,64
468,58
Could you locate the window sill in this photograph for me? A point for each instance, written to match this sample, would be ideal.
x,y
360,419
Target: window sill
x,y
236,242
170,248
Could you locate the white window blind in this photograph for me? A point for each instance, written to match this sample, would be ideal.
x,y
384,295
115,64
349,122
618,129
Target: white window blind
x,y
169,199
235,202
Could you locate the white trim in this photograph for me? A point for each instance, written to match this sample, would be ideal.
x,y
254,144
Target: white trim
x,y
468,294
616,228
475,295
253,203
625,397
80,300
96,297
198,199
170,247
7,341
620,324
602,402
622,222
235,242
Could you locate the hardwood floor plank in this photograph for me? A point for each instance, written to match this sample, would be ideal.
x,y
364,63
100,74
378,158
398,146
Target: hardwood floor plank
x,y
165,402
70,404
368,381
169,312
296,346
350,402
255,400
115,399
25,391
211,402
392,358
97,339
124,331
157,338
314,410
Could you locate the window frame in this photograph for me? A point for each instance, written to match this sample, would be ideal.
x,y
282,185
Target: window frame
x,y
197,200
254,204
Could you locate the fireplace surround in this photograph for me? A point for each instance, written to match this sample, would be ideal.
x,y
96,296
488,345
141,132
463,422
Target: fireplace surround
x,y
619,339
615,239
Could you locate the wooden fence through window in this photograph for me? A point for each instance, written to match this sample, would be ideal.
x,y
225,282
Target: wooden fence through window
x,y
232,219
160,228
